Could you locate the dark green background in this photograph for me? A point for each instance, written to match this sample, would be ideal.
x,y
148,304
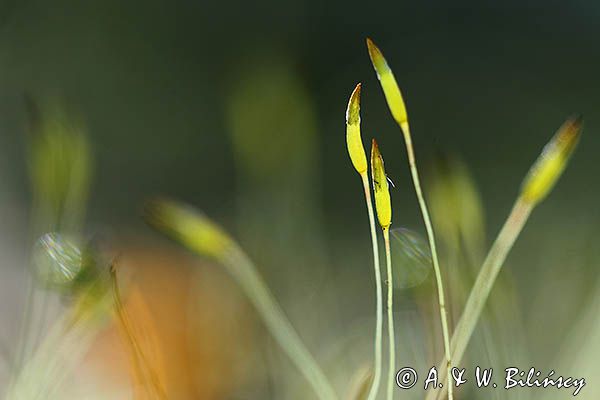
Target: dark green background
x,y
490,81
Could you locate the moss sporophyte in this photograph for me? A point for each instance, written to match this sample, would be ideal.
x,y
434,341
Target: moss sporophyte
x,y
538,183
383,204
206,238
357,154
395,102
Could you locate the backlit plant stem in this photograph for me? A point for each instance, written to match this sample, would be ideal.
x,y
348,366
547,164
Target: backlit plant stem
x,y
390,315
201,235
356,151
379,292
383,204
487,277
436,266
538,183
277,323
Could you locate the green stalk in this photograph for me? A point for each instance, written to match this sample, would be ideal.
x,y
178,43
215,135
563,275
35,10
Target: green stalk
x,y
383,204
390,316
484,283
356,151
204,237
240,266
379,293
539,181
22,352
487,276
434,256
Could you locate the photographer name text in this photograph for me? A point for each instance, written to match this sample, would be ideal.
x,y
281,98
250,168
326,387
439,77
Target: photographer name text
x,y
511,378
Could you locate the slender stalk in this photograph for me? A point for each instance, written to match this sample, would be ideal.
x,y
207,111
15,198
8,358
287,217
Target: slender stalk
x,y
201,235
487,275
356,151
66,342
21,355
390,316
379,293
240,266
383,204
436,266
485,281
539,181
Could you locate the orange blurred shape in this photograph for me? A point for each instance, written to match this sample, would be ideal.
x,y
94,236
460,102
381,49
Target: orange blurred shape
x,y
191,326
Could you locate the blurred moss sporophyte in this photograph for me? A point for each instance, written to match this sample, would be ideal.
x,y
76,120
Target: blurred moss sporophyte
x,y
538,183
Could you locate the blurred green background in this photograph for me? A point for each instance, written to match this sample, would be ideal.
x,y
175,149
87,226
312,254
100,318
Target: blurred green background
x,y
154,82
238,108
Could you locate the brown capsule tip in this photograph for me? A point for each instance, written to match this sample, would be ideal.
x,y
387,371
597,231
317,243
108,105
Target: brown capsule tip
x,y
374,146
569,133
372,47
376,56
353,109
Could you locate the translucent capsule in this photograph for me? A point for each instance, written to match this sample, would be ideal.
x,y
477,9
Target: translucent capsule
x,y
411,258
57,260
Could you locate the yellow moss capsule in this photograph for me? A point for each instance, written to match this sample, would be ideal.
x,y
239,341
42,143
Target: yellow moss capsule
x,y
354,142
387,80
550,164
191,228
381,189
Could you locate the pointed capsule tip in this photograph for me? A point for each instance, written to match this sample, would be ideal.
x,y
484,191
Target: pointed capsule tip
x,y
375,153
376,56
371,45
576,121
353,109
569,132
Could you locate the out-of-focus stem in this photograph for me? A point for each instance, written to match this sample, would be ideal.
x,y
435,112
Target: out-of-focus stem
x,y
244,271
22,347
204,237
379,293
390,316
485,281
